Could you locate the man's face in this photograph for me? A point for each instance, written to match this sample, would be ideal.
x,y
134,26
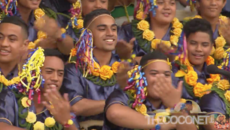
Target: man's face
x,y
151,70
189,107
165,12
210,8
199,47
13,42
104,32
29,4
53,72
91,5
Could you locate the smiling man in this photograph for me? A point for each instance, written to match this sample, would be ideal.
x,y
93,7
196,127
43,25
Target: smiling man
x,y
88,94
54,108
13,43
199,46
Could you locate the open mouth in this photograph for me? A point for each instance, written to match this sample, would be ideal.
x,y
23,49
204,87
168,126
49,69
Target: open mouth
x,y
198,56
166,14
4,52
109,41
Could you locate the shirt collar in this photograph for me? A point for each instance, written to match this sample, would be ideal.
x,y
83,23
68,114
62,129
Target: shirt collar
x,y
13,73
113,59
204,71
151,107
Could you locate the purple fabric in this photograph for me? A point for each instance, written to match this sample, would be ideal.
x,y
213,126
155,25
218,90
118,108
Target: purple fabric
x,y
120,97
79,87
9,110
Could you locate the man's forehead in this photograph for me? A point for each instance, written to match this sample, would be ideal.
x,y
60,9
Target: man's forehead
x,y
10,29
52,62
104,20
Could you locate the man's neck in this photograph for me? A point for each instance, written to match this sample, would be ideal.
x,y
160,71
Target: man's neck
x,y
6,68
103,57
24,12
199,67
212,21
38,106
161,29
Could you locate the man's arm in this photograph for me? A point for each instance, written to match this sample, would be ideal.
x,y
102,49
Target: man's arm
x,y
5,126
7,111
88,107
66,44
73,85
125,117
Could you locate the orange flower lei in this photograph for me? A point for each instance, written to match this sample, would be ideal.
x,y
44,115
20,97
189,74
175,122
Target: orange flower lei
x,y
191,77
105,72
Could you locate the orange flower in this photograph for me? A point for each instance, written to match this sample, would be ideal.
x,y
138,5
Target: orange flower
x,y
115,66
199,90
106,72
213,78
209,60
95,69
191,78
73,52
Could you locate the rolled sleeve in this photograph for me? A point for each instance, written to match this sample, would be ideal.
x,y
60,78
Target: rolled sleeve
x,y
7,107
116,97
72,84
212,103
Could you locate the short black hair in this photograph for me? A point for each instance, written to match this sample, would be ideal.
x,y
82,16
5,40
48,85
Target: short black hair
x,y
54,52
198,25
89,17
152,56
16,21
188,102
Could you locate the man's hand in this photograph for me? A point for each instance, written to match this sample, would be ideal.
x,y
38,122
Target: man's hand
x,y
48,26
58,106
166,50
122,75
224,30
124,49
48,43
164,89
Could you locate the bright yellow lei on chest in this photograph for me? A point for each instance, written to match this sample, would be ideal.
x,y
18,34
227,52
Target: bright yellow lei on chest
x,y
149,35
220,42
191,77
7,82
105,72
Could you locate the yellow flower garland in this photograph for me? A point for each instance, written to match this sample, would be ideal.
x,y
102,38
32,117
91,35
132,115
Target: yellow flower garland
x,y
7,82
149,35
220,42
105,72
191,77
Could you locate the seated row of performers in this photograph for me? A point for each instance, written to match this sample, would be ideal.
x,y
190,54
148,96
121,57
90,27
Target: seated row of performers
x,y
87,93
157,24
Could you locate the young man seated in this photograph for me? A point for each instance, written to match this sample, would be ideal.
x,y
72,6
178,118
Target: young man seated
x,y
17,110
191,68
150,89
88,92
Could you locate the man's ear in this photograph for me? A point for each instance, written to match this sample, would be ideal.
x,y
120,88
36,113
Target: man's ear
x,y
26,43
